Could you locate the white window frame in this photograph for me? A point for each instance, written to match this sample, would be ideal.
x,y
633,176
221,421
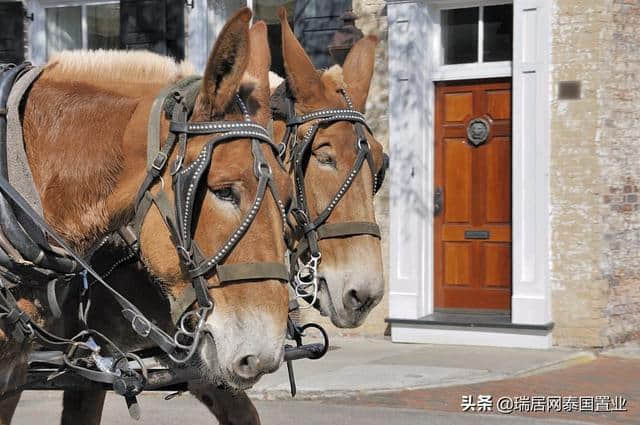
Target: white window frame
x,y
479,69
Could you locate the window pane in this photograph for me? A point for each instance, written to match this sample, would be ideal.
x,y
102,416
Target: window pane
x,y
64,28
498,30
460,35
103,26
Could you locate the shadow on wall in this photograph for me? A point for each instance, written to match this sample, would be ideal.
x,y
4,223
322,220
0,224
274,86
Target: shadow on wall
x,y
409,173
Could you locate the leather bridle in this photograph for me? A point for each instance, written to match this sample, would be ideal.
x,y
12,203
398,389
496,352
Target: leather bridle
x,y
307,230
186,182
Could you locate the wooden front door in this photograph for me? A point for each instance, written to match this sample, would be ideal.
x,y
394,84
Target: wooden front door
x,y
472,229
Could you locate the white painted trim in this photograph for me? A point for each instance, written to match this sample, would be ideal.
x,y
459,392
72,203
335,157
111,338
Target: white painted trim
x,y
515,338
197,49
414,55
85,27
531,295
37,46
456,4
465,71
473,71
411,188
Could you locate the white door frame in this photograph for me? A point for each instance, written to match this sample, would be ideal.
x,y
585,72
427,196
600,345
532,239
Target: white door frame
x,y
414,57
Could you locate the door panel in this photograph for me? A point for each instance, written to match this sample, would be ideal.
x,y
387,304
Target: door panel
x,y
472,233
458,106
457,160
498,189
457,259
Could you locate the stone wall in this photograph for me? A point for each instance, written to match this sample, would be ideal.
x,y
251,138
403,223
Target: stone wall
x,y
595,170
373,20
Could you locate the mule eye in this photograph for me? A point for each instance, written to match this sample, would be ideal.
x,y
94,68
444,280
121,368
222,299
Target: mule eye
x,y
227,194
326,159
324,156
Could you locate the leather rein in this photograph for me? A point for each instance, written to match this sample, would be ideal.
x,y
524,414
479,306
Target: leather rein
x,y
305,256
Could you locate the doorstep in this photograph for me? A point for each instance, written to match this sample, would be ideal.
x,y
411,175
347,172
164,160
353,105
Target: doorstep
x,y
470,328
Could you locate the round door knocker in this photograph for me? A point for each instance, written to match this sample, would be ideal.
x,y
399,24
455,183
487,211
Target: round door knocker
x,y
478,131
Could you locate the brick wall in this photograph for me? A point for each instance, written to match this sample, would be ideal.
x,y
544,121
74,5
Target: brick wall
x,y
595,236
373,20
619,156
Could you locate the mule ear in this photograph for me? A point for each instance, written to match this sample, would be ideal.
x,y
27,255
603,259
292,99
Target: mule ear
x,y
260,55
358,69
258,71
227,63
302,75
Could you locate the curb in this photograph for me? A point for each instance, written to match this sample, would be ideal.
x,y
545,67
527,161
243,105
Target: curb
x,y
582,357
575,359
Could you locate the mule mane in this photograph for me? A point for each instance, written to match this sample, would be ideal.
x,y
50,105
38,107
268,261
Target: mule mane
x,y
125,66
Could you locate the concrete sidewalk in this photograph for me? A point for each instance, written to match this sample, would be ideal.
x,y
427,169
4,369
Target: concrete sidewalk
x,y
356,365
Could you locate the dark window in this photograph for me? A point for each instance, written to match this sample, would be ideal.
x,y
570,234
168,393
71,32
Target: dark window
x,y
498,30
156,25
315,23
103,26
12,32
460,35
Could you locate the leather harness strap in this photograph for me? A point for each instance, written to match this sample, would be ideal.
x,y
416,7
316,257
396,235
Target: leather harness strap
x,y
236,272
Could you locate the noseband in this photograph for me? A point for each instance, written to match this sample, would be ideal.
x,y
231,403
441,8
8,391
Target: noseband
x,y
307,230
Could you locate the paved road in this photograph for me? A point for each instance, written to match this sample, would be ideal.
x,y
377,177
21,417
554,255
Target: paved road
x,y
605,377
360,366
40,408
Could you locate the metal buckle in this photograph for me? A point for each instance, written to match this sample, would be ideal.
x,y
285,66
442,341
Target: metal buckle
x,y
177,164
186,255
146,330
159,162
282,147
263,169
363,144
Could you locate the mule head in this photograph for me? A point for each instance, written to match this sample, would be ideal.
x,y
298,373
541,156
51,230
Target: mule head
x,y
246,328
350,271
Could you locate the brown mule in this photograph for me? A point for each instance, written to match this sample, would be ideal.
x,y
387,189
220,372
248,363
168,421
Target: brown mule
x,y
332,157
96,114
350,269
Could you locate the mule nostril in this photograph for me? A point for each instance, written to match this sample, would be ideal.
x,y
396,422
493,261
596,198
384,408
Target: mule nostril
x,y
247,366
353,299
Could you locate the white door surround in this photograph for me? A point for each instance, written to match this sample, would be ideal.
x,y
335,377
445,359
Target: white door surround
x,y
414,65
